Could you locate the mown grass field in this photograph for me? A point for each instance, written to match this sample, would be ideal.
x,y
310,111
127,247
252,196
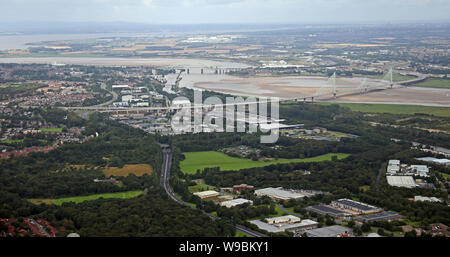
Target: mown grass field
x,y
136,169
200,188
79,199
211,159
50,129
395,108
434,82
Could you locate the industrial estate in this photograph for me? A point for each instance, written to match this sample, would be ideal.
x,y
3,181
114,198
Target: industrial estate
x,y
361,115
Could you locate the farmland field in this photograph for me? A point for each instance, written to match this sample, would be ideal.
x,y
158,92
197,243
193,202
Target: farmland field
x,y
210,159
79,199
136,169
395,108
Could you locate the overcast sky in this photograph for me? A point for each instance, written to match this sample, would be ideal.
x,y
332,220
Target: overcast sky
x,y
225,11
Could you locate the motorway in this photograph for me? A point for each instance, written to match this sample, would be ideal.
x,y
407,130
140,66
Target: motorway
x,y
165,175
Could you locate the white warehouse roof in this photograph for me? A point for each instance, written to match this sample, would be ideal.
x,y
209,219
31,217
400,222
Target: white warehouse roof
x,y
401,181
206,194
235,202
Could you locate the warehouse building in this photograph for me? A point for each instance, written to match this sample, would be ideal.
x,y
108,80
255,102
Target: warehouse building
x,y
445,162
354,206
332,231
280,194
420,170
327,210
288,223
401,181
235,202
393,167
207,194
419,198
283,219
120,87
382,216
301,226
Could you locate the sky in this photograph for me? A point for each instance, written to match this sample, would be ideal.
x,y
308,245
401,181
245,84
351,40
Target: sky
x,y
225,11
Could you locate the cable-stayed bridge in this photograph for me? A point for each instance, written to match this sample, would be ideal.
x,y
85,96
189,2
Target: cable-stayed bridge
x,y
335,87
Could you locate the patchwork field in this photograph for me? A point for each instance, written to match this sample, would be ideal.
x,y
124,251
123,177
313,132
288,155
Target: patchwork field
x,y
136,169
395,108
79,199
211,159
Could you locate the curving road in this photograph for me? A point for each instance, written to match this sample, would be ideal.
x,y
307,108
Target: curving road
x,y
165,175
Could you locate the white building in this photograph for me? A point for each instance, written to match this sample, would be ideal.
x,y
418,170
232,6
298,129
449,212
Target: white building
x,y
279,194
420,170
401,181
142,104
207,194
426,199
235,202
181,103
283,219
286,223
120,104
127,98
393,167
120,87
394,162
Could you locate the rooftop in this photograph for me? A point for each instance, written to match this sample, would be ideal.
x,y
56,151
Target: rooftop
x,y
357,205
401,181
280,193
332,231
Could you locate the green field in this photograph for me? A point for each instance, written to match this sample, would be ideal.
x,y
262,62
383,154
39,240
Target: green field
x,y
240,234
50,129
434,82
79,199
12,141
395,108
396,77
445,175
200,188
211,159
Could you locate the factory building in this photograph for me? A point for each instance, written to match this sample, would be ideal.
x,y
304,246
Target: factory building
x,y
401,181
354,206
382,216
235,202
283,219
419,198
280,194
420,170
332,231
393,167
207,194
445,162
288,223
327,210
